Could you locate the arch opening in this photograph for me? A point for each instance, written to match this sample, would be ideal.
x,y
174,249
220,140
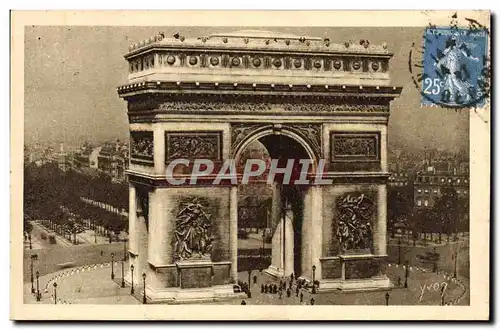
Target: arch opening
x,y
273,214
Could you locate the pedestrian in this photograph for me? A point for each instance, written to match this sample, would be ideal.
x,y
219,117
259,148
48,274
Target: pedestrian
x,y
291,277
297,292
312,301
288,292
301,297
255,279
265,288
102,252
243,302
281,294
262,288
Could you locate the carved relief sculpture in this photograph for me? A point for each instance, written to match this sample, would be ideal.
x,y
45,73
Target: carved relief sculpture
x,y
312,134
349,146
240,131
141,146
354,230
191,145
192,232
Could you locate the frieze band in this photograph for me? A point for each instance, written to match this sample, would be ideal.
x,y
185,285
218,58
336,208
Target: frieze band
x,y
258,62
243,106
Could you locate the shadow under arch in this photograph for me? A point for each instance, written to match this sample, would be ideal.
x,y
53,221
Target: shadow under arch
x,y
285,144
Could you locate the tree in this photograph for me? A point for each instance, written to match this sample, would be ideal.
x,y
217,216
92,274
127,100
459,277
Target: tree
x,y
447,207
399,207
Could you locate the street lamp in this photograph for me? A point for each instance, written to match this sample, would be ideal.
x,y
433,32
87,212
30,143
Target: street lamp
x,y
434,256
263,249
38,295
407,272
124,249
314,276
144,282
132,279
123,273
455,259
33,257
442,296
399,251
112,266
55,293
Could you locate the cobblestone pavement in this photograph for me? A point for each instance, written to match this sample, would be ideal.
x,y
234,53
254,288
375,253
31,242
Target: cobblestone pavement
x,y
93,285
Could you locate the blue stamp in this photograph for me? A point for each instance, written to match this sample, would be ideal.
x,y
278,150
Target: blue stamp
x,y
455,67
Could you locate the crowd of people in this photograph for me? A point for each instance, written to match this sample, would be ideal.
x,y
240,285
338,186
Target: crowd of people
x,y
292,287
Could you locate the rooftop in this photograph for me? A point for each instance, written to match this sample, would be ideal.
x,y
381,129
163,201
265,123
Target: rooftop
x,y
259,40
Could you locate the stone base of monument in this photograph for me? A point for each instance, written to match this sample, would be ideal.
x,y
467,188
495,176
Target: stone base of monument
x,y
274,272
367,284
195,284
362,272
179,296
195,273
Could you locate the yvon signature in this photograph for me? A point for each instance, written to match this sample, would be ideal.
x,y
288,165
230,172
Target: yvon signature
x,y
433,287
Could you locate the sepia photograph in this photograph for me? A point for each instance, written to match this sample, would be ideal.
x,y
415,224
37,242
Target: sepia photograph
x,y
277,165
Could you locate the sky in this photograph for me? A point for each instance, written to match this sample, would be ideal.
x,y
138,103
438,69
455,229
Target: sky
x,y
71,75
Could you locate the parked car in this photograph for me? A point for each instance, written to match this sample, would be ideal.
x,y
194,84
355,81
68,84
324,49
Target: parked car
x,y
242,234
52,239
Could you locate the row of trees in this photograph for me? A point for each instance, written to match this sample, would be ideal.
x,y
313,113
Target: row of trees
x,y
448,215
56,196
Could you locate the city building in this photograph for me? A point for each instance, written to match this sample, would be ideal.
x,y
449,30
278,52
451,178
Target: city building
x,y
430,183
113,159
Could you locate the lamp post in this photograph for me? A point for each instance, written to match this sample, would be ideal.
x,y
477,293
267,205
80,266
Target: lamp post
x,y
387,299
263,249
455,259
434,257
399,251
38,295
112,266
55,293
132,279
314,277
144,282
442,296
123,273
407,272
33,257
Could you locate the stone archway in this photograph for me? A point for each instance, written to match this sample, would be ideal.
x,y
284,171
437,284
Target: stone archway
x,y
288,204
208,97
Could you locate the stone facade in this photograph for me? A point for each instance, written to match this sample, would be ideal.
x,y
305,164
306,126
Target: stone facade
x,y
214,96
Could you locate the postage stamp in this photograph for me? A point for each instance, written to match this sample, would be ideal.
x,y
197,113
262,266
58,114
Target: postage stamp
x,y
454,67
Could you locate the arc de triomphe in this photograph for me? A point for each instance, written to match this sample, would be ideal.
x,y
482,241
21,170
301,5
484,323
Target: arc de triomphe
x,y
209,97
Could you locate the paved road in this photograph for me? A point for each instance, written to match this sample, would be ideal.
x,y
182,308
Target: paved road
x,y
93,285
